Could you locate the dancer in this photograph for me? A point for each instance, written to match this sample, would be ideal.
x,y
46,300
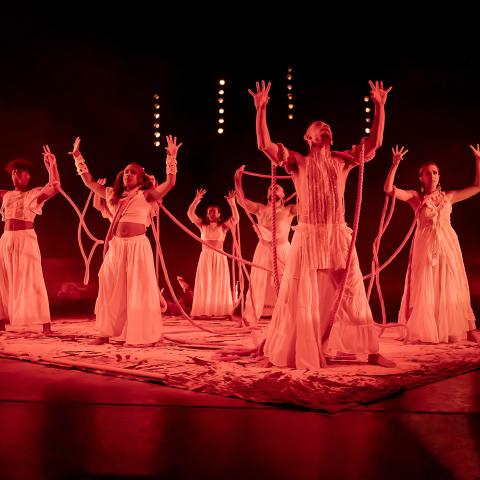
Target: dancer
x,y
23,295
261,293
301,328
128,306
212,294
436,298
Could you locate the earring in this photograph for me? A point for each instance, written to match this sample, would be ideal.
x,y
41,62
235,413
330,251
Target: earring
x,y
439,187
421,188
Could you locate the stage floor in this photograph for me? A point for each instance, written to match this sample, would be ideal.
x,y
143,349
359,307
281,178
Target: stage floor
x,y
189,359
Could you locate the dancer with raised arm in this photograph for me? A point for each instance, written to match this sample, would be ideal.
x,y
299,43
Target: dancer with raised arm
x,y
436,299
301,331
261,292
212,294
23,295
128,308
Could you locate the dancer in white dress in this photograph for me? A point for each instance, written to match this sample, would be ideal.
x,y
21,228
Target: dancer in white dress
x,y
301,331
261,294
212,294
23,295
436,299
128,308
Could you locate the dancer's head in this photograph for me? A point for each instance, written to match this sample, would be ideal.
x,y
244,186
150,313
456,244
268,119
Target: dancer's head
x,y
319,133
213,214
429,176
279,193
21,172
132,176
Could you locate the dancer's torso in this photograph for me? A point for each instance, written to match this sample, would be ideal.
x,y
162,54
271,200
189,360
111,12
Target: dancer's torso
x,y
214,234
17,210
135,217
436,211
283,221
320,186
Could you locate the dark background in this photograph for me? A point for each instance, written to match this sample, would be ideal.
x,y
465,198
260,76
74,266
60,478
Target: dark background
x,y
94,75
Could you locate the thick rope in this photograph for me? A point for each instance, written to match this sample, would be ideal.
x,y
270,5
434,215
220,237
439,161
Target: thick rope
x,y
351,248
276,280
172,292
203,242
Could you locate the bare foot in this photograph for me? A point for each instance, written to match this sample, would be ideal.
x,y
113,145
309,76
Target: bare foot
x,y
473,336
99,341
377,359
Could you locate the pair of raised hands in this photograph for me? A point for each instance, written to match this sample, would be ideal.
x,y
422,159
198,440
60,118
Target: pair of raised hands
x,y
399,152
377,93
202,191
171,148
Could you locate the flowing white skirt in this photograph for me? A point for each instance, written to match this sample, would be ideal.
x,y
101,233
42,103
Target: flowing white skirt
x,y
23,295
128,303
212,294
262,288
436,300
305,302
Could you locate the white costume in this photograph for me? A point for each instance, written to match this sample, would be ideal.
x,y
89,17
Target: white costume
x,y
128,303
436,300
23,295
312,276
261,294
212,293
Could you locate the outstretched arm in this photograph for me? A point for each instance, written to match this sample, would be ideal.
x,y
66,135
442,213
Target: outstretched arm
x,y
194,218
161,190
375,139
83,171
248,205
234,219
53,185
264,143
388,187
464,193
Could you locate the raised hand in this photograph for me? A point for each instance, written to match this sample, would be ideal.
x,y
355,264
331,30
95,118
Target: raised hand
x,y
76,148
397,154
48,157
231,195
200,193
260,97
102,181
377,93
476,151
172,147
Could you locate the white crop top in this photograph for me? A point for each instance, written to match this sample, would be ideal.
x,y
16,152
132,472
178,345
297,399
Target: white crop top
x,y
21,205
137,211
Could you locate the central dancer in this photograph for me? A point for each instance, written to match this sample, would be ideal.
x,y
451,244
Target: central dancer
x,y
300,332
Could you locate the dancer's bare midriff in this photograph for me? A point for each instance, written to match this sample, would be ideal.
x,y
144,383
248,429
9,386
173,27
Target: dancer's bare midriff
x,y
129,229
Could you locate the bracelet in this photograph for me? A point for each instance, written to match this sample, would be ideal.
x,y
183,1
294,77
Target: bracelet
x,y
81,168
171,165
78,159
